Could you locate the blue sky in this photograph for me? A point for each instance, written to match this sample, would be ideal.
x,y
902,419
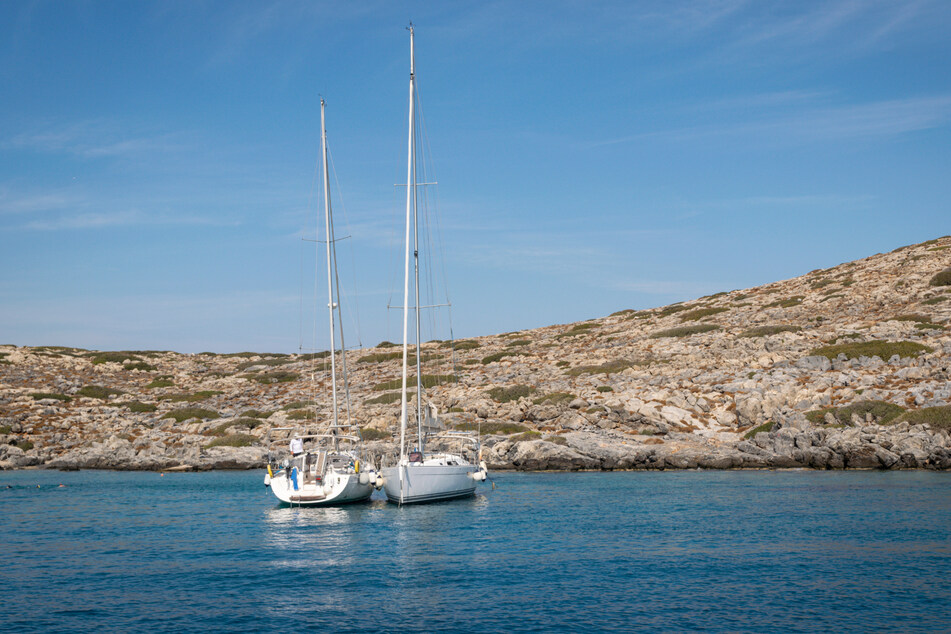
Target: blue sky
x,y
157,159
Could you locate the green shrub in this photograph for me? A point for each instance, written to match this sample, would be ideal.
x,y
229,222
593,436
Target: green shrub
x,y
6,429
268,378
882,412
191,412
465,345
232,440
386,344
310,356
923,319
432,380
555,398
138,407
374,434
111,357
563,364
25,445
395,384
249,423
882,349
298,405
846,337
670,310
160,382
626,311
428,380
492,358
492,427
786,303
577,329
302,414
248,355
605,388
936,417
191,398
517,343
818,416
765,331
531,434
379,357
941,279
244,365
253,413
923,326
219,430
139,365
61,350
557,440
767,426
608,367
98,391
936,300
39,396
700,313
510,393
641,314
389,397
685,331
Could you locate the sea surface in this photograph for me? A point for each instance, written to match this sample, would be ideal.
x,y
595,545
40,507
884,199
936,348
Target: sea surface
x,y
668,551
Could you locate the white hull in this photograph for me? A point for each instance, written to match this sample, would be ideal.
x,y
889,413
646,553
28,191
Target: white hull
x,y
336,488
429,482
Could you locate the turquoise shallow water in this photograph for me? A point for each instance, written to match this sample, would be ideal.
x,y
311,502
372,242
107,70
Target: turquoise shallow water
x,y
670,551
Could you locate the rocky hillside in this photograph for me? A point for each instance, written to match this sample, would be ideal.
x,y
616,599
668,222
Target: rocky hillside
x,y
846,367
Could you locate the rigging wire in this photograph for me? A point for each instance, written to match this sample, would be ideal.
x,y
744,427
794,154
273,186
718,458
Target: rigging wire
x,y
432,256
332,246
353,314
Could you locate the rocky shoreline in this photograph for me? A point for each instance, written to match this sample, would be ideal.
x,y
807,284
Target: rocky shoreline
x,y
842,368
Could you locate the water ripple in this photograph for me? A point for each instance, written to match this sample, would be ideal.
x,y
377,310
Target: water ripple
x,y
738,552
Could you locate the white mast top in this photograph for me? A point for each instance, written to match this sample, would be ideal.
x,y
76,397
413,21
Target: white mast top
x,y
410,195
330,288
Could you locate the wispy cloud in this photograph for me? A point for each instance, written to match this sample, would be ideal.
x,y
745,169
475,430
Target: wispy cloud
x,y
244,27
852,121
33,203
805,200
188,322
95,138
126,218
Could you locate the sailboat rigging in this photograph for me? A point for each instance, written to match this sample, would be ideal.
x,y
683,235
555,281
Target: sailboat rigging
x,y
420,476
320,472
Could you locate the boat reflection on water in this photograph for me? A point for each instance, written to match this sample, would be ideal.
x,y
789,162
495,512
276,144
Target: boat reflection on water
x,y
314,529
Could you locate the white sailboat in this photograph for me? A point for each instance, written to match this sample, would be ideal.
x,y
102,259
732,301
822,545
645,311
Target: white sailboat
x,y
420,476
325,468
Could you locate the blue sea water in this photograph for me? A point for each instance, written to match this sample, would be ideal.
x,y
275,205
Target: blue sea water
x,y
668,551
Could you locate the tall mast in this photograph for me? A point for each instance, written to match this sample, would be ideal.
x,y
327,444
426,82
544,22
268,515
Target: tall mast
x,y
410,191
419,351
330,288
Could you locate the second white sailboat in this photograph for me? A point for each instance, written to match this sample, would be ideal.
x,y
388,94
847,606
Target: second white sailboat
x,y
420,476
